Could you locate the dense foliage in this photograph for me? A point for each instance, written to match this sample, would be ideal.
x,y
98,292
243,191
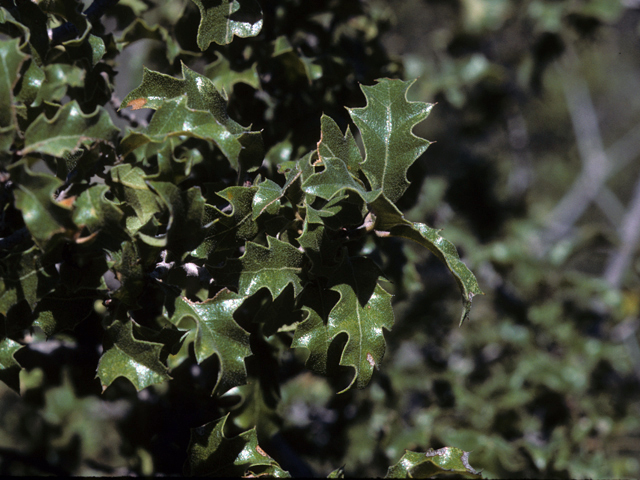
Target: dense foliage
x,y
224,248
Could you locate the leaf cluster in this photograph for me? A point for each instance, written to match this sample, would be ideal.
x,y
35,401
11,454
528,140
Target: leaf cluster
x,y
195,239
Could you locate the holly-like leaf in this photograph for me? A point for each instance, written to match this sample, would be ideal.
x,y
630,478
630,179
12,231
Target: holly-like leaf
x,y
389,221
210,453
363,310
216,332
45,218
273,267
23,277
173,119
11,59
68,130
223,19
129,186
92,209
57,312
445,461
126,356
9,367
229,230
334,144
267,198
386,125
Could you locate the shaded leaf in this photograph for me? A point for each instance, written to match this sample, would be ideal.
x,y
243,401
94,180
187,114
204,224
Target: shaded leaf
x,y
386,125
216,332
23,277
273,267
211,453
58,312
223,19
95,211
139,30
129,186
445,461
45,218
9,367
68,130
11,59
225,77
186,211
125,356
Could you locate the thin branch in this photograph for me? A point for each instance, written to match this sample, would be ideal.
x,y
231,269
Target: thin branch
x,y
630,235
595,163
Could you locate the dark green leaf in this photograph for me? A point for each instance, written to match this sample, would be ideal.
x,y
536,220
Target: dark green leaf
x,y
225,77
23,277
445,461
389,221
223,19
210,453
386,125
68,130
136,360
216,332
45,218
58,312
11,59
9,367
273,267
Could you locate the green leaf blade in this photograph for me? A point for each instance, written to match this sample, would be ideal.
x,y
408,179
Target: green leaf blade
x,y
386,125
220,21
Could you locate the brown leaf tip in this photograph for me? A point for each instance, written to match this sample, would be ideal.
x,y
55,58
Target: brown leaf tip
x,y
137,104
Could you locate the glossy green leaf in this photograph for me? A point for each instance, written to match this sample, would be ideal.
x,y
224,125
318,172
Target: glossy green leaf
x,y
334,144
129,272
216,332
229,230
273,267
174,118
11,59
68,130
445,461
267,198
9,367
129,186
58,77
389,221
210,453
45,218
136,360
362,311
25,278
223,19
386,125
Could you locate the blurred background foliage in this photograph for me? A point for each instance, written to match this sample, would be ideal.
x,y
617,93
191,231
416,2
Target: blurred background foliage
x,y
534,177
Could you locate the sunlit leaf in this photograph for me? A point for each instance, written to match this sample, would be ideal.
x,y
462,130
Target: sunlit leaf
x,y
216,332
125,356
222,20
386,125
68,130
9,367
11,59
445,461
